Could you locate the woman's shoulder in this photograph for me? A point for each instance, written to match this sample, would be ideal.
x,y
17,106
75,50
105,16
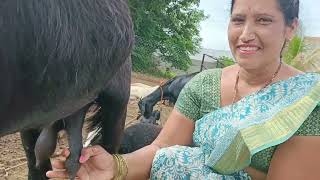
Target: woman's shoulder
x,y
216,72
201,94
204,77
209,73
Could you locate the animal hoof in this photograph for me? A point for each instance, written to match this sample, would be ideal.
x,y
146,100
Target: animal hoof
x,y
72,165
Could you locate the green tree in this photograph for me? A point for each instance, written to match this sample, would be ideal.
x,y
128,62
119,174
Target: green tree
x,y
167,28
224,61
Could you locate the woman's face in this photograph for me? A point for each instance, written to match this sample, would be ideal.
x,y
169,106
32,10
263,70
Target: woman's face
x,y
257,32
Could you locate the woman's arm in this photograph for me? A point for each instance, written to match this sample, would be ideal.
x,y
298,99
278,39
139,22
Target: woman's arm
x,y
255,174
296,159
177,130
96,163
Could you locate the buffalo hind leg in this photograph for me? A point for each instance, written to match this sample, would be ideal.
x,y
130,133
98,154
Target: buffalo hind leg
x,y
113,101
114,110
29,138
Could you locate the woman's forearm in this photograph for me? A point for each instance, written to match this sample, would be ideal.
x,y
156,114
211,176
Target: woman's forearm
x,y
178,130
139,162
255,174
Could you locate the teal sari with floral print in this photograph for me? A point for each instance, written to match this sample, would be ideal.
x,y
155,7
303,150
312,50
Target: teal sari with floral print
x,y
226,139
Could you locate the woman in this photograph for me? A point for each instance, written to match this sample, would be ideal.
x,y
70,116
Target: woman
x,y
257,119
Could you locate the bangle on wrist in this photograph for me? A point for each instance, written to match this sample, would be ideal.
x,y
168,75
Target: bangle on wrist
x,y
121,167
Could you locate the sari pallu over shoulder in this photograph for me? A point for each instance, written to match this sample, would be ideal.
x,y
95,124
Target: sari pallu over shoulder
x,y
231,135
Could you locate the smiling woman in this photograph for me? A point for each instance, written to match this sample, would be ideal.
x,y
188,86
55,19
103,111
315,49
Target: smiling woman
x,y
214,29
258,33
257,119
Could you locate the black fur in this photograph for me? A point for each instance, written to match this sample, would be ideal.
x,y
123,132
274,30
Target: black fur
x,y
155,116
137,136
56,59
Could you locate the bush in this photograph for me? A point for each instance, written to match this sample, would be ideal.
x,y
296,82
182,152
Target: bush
x,y
168,74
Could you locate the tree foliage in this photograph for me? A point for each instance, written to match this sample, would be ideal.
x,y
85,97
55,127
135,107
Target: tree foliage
x,y
295,47
167,28
224,61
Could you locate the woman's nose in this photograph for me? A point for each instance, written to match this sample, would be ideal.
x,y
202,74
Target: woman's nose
x,y
247,34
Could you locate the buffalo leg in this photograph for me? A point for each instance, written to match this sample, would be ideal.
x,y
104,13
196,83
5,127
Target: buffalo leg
x,y
112,138
73,127
113,114
29,138
113,101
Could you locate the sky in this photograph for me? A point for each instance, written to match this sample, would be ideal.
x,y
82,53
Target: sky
x,y
214,29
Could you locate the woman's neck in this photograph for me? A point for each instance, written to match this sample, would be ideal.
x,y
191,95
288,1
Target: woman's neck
x,y
258,77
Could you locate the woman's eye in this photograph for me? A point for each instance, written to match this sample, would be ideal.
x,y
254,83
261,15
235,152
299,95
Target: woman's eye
x,y
264,21
237,20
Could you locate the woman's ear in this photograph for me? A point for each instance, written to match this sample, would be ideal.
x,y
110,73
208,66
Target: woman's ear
x,y
291,29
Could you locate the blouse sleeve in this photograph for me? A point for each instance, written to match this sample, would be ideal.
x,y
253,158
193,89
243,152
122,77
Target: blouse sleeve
x,y
311,126
189,100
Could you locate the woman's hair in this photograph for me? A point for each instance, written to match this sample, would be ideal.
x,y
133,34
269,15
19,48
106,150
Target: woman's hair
x,y
289,8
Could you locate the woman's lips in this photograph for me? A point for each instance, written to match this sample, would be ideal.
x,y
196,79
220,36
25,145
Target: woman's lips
x,y
248,49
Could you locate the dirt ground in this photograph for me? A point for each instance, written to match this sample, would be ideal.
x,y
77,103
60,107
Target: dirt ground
x,y
13,164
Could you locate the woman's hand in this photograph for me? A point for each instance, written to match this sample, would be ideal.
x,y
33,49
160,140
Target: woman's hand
x,y
96,163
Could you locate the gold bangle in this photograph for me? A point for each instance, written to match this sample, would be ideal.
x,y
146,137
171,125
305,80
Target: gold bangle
x,y
121,167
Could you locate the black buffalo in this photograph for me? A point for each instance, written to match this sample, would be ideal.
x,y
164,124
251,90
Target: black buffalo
x,y
57,58
137,136
155,116
169,91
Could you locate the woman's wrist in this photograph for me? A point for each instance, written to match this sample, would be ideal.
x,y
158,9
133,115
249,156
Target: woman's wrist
x,y
121,168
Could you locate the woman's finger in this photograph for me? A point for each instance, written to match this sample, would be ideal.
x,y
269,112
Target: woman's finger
x,y
57,174
56,164
65,152
88,152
